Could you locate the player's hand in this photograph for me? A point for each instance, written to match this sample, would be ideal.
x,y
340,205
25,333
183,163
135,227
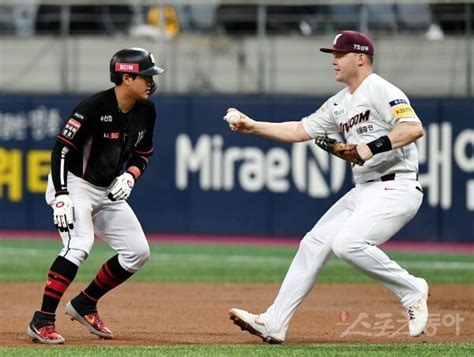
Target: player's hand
x,y
241,123
121,187
63,213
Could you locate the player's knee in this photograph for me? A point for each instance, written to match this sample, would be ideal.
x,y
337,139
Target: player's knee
x,y
340,249
312,238
307,242
133,261
345,250
75,256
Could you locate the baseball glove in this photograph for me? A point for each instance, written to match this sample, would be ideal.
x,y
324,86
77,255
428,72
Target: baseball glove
x,y
346,152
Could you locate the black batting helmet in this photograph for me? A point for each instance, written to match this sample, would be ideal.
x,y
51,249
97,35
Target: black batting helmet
x,y
133,61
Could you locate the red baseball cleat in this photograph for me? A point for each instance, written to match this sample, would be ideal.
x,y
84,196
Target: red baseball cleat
x,y
45,334
92,321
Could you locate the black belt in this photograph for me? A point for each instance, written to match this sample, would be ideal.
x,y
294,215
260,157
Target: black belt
x,y
387,177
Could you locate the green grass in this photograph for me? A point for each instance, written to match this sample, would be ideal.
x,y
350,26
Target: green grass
x,y
24,260
445,349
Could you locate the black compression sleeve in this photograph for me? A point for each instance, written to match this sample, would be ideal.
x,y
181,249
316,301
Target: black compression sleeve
x,y
379,145
59,163
139,162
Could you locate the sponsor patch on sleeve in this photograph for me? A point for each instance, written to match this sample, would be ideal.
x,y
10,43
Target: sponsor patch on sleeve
x,y
397,102
402,111
71,128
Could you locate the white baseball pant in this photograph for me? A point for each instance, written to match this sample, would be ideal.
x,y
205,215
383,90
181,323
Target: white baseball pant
x,y
114,222
367,216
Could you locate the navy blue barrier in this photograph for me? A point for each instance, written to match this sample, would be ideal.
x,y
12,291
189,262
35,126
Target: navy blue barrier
x,y
205,179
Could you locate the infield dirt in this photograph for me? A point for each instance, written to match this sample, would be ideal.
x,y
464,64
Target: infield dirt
x,y
164,313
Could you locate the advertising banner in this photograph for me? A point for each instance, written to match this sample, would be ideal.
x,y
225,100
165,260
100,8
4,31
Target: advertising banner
x,y
206,179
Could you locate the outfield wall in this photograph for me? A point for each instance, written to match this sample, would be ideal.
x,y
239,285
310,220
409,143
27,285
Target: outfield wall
x,y
205,179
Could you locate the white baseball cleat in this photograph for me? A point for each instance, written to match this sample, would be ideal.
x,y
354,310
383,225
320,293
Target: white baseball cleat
x,y
251,323
418,313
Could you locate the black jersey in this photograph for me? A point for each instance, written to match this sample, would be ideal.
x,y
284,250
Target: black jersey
x,y
98,140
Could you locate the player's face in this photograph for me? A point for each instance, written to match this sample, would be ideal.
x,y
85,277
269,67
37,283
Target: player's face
x,y
345,65
140,86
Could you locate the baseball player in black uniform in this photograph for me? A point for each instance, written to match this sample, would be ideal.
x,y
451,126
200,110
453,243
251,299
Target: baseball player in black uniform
x,y
100,153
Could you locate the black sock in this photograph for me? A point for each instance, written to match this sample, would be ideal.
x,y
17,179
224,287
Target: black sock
x,y
60,276
110,275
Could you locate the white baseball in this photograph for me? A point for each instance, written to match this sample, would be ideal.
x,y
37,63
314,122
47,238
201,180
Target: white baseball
x,y
232,117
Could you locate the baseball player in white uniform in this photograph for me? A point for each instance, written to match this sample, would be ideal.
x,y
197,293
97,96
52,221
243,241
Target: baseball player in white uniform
x,y
380,128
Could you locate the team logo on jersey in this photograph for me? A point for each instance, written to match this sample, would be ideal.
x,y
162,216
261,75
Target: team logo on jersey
x,y
356,119
115,135
71,128
141,135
